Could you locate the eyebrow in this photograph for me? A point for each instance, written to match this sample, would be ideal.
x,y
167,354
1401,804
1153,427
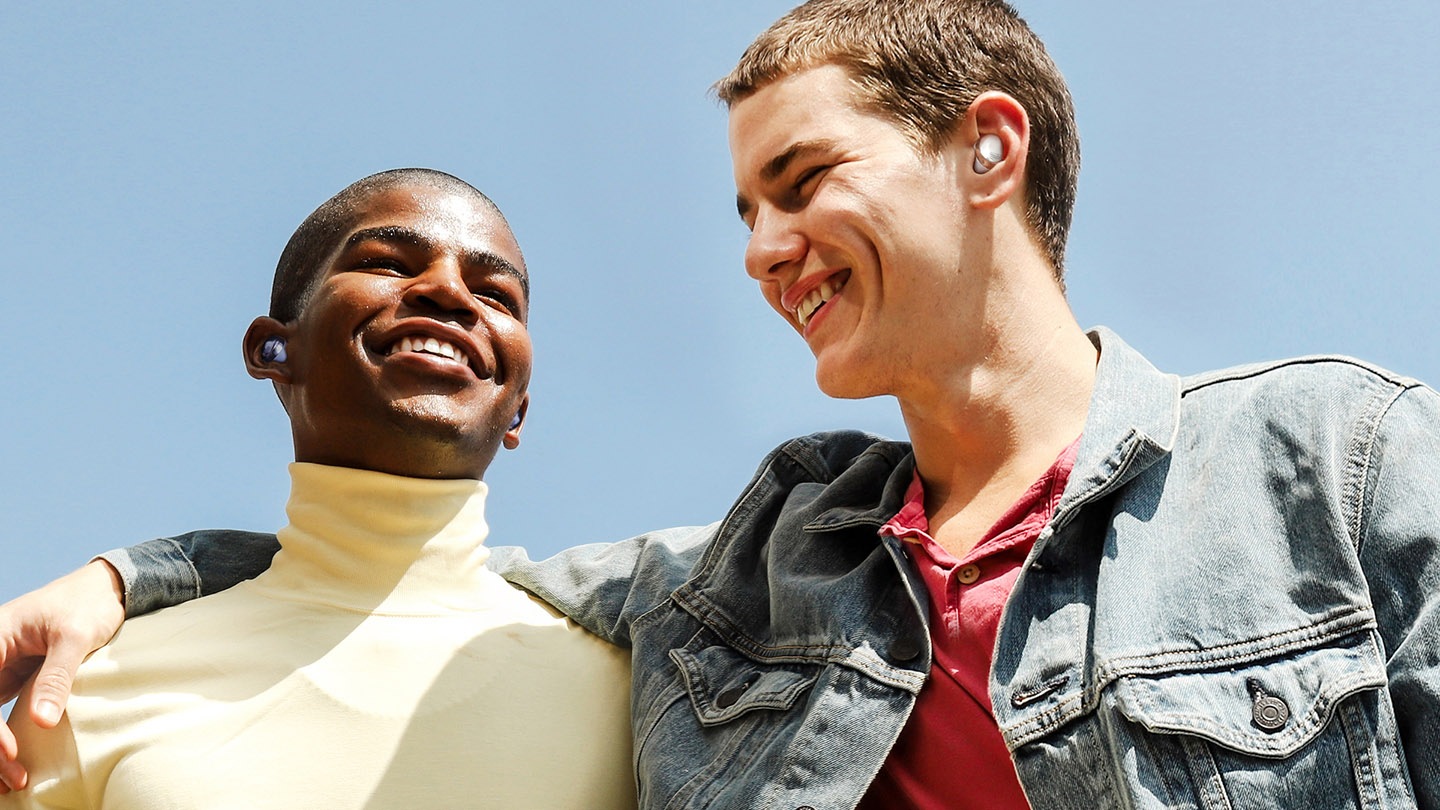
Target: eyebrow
x,y
776,166
490,260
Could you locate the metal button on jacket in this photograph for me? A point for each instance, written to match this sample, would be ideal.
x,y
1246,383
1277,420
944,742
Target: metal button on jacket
x,y
731,696
1267,712
905,648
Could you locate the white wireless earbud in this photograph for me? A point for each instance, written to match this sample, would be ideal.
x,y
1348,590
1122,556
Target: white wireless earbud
x,y
988,152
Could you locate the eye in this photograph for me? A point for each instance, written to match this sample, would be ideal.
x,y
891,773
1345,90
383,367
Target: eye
x,y
500,296
813,174
805,183
383,264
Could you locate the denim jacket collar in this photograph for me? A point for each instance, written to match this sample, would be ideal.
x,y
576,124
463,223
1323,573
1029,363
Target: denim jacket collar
x,y
1134,416
1133,420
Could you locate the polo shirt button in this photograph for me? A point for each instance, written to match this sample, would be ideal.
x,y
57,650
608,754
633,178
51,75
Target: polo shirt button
x,y
905,649
968,574
731,696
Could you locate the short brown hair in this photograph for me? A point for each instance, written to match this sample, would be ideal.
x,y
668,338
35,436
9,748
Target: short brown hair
x,y
921,63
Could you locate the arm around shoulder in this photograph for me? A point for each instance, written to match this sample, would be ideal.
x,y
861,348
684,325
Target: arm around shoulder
x,y
172,570
606,586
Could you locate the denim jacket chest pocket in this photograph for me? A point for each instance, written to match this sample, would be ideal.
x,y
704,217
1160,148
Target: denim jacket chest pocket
x,y
1314,727
1310,728
717,715
1268,709
722,684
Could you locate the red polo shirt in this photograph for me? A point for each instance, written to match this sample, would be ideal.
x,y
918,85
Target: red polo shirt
x,y
950,755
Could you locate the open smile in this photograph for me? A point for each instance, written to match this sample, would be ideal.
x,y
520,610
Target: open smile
x,y
419,344
809,302
434,347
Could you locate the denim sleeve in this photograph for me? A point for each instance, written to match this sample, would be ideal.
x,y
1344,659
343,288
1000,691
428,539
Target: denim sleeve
x,y
171,570
604,587
1400,551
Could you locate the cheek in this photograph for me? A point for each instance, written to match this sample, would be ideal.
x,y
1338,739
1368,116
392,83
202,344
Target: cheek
x,y
519,352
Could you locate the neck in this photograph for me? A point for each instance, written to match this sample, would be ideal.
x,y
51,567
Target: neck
x,y
985,430
374,541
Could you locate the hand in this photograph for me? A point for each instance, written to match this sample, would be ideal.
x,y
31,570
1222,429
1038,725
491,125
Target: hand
x,y
51,631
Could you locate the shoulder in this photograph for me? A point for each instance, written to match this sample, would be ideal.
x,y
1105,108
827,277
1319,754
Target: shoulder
x,y
1320,389
147,650
824,456
1311,374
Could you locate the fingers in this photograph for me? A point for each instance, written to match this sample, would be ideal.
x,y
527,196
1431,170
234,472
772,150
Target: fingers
x,y
52,684
12,773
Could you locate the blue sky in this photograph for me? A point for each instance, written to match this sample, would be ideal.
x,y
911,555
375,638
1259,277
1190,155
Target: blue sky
x,y
1259,180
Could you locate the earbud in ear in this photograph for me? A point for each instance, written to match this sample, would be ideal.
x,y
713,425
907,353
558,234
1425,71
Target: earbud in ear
x,y
988,152
514,423
273,350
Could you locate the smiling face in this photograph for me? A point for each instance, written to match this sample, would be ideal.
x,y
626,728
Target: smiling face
x,y
411,354
857,235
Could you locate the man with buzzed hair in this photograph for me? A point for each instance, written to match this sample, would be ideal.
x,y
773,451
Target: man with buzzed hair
x,y
378,662
1083,583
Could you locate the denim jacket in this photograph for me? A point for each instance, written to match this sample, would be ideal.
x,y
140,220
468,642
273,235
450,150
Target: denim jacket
x,y
1236,605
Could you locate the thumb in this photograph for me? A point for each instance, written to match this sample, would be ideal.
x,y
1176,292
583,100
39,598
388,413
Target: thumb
x,y
53,682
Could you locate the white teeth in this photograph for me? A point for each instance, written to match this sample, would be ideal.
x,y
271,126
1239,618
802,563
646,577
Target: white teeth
x,y
421,345
813,299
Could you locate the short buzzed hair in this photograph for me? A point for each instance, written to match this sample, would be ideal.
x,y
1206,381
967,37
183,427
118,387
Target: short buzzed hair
x,y
921,63
298,271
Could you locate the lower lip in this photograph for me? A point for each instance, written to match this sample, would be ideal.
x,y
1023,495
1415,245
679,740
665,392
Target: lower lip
x,y
430,362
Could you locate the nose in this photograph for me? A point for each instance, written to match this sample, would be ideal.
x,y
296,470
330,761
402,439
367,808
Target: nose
x,y
441,290
774,243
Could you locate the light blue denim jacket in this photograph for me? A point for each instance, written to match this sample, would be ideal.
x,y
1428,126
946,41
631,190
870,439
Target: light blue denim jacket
x,y
1236,605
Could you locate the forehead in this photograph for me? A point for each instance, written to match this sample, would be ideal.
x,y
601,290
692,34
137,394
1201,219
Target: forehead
x,y
445,218
791,107
806,110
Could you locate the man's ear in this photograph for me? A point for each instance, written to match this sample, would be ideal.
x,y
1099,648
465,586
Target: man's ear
x,y
267,350
511,440
995,174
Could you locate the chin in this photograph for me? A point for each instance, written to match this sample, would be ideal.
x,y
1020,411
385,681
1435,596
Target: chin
x,y
849,386
420,416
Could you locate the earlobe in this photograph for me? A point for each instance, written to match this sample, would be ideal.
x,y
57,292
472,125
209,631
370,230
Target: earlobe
x,y
511,439
267,350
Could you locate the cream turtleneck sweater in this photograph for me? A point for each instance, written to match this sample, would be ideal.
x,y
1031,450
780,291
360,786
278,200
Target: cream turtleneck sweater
x,y
377,664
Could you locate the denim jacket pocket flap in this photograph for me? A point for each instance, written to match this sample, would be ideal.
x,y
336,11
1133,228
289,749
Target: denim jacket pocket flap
x,y
1270,708
723,684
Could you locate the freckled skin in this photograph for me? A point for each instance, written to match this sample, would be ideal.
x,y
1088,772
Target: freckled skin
x,y
431,271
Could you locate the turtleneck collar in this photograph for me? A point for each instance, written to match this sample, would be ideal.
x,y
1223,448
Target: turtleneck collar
x,y
382,543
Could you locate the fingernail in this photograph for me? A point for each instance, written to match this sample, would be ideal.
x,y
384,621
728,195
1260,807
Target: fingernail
x,y
49,711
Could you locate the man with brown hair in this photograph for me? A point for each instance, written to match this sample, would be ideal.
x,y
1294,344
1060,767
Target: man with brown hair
x,y
1083,583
